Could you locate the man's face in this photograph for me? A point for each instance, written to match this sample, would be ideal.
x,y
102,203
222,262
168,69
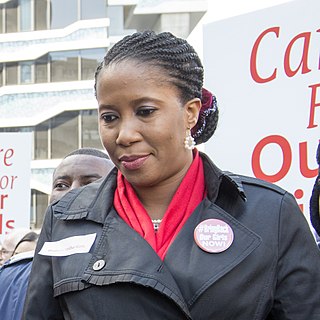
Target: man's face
x,y
1,259
77,171
6,252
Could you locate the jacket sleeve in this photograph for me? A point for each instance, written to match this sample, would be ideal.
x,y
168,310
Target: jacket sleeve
x,y
40,303
297,293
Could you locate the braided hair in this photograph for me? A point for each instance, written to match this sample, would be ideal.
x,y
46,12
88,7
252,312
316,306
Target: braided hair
x,y
182,64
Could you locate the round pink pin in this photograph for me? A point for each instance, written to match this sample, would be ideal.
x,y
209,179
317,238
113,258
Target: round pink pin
x,y
213,235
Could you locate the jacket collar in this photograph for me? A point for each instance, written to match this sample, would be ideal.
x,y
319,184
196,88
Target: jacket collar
x,y
23,256
95,200
217,179
91,202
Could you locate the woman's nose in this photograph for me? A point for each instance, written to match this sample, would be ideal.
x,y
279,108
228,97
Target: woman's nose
x,y
128,133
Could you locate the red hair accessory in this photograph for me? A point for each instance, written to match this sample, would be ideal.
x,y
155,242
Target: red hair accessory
x,y
209,105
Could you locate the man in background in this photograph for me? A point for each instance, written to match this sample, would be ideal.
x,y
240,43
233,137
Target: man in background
x,y
78,168
10,241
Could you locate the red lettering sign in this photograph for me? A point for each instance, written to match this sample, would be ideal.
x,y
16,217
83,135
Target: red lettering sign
x,y
5,156
287,158
313,105
253,59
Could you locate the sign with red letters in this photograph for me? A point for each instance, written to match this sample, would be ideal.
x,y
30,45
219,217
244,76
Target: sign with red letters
x,y
264,68
15,174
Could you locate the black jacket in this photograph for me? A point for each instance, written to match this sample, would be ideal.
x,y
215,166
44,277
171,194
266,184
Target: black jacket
x,y
271,270
314,200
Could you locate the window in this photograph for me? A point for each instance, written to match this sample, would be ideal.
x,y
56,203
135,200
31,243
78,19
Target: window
x,y
51,135
1,19
90,133
41,141
63,13
93,9
26,72
115,14
54,67
11,73
58,136
89,62
64,66
16,129
41,69
64,134
11,16
39,204
1,74
25,15
30,15
40,14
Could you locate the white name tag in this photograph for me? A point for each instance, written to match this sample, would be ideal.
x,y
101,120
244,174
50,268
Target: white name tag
x,y
68,246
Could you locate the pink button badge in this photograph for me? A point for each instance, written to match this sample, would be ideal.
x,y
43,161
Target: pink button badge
x,y
213,235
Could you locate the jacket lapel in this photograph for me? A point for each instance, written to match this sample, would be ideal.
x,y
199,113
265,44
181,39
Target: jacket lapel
x,y
126,257
202,269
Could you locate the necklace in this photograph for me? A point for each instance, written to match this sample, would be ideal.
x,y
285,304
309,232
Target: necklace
x,y
156,224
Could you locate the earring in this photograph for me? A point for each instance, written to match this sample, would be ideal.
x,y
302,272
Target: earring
x,y
189,141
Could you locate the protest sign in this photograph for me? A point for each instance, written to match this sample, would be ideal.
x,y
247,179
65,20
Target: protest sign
x,y
15,173
264,68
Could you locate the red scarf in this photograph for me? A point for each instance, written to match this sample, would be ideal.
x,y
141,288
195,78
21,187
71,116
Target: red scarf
x,y
189,194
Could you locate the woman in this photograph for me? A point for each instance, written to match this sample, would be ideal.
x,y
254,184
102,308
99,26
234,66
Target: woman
x,y
315,201
167,235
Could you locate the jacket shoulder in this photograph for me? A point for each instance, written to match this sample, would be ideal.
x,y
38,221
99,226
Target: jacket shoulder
x,y
247,180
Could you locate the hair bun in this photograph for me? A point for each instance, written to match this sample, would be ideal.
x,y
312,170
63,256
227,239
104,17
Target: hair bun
x,y
208,118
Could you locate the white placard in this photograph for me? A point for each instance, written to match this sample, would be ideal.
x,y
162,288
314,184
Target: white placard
x,y
264,68
15,174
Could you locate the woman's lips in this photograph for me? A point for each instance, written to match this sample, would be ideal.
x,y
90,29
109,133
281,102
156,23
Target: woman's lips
x,y
133,162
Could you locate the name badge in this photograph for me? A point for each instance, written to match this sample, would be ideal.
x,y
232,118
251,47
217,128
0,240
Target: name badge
x,y
213,235
68,246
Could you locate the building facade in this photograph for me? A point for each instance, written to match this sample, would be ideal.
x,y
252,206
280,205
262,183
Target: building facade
x,y
49,50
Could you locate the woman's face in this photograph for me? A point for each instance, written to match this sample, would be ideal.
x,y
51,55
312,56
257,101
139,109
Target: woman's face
x,y
142,123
